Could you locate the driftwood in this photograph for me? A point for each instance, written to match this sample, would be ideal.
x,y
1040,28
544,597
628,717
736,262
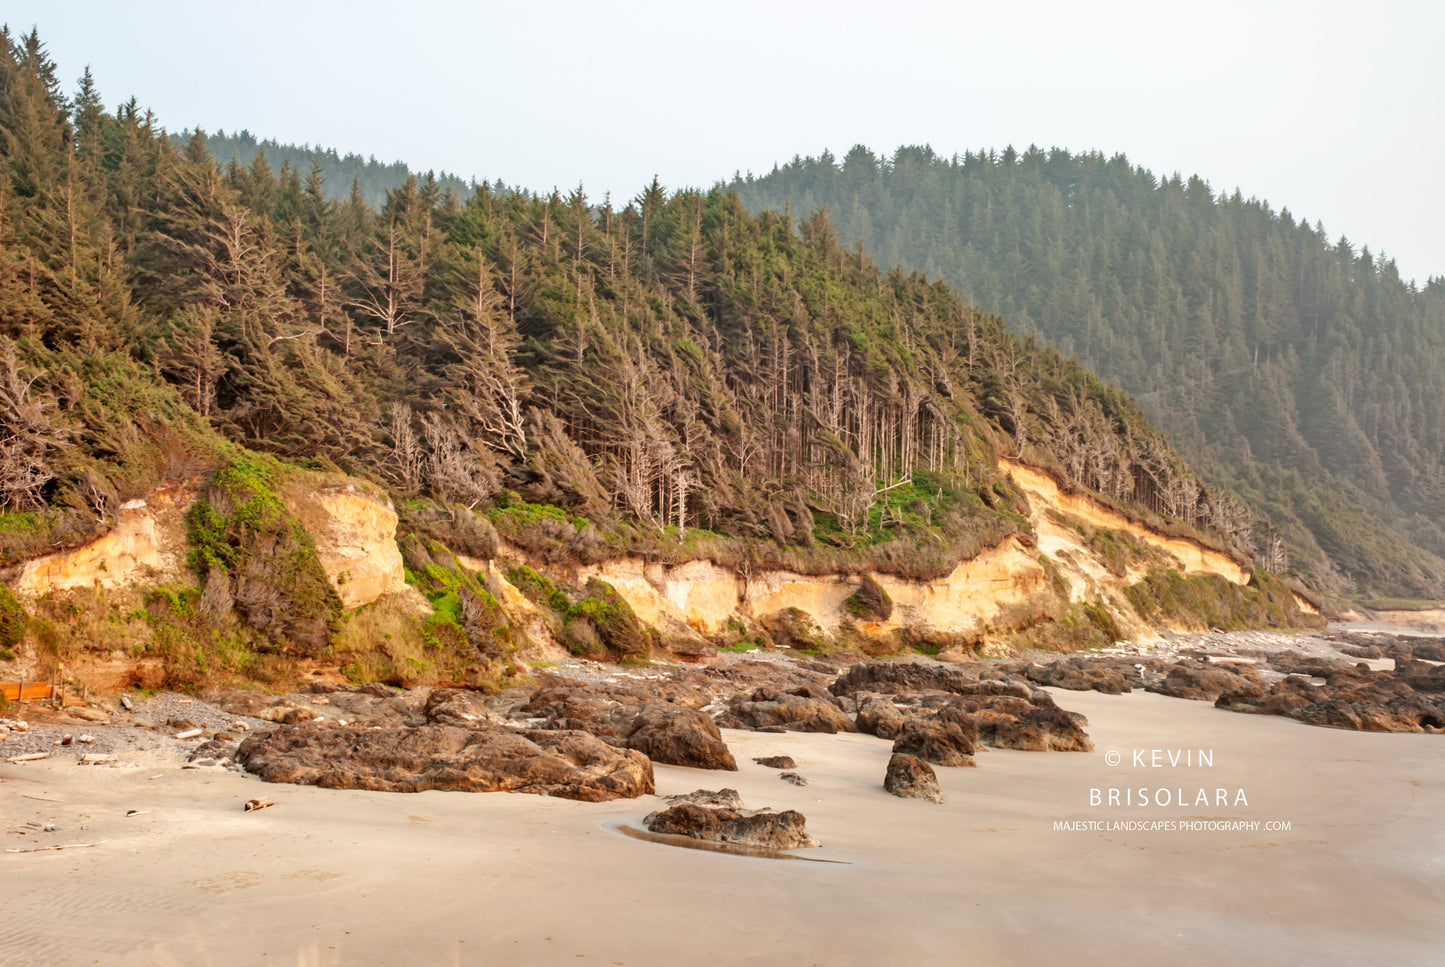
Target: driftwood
x,y
94,758
43,849
261,803
189,733
135,812
29,758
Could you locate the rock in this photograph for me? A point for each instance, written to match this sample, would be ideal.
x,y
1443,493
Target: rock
x,y
911,778
1034,729
904,678
791,712
895,677
776,761
709,797
214,753
761,829
88,715
1203,683
880,717
1112,677
459,707
286,714
569,764
680,737
947,743
955,656
793,777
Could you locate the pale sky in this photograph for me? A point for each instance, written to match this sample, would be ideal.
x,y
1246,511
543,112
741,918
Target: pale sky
x,y
1335,111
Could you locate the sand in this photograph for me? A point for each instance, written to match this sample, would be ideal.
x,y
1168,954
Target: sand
x,y
333,877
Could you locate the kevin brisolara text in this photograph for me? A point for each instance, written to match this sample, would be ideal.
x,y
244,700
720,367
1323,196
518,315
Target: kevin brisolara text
x,y
1169,825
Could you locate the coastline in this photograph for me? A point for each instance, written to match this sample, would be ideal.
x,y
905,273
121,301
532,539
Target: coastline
x,y
343,877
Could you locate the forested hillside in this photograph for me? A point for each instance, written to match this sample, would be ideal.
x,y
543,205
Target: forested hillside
x,y
1301,372
338,173
676,362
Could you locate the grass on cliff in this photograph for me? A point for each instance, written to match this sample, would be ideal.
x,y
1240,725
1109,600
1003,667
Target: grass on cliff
x,y
1210,601
918,531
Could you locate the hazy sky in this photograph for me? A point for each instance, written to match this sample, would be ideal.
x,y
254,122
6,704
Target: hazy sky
x,y
1335,111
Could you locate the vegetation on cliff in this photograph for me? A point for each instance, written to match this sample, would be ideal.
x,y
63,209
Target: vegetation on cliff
x,y
674,378
1301,372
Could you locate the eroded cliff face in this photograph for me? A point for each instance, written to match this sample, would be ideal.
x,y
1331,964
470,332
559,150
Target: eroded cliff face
x,y
999,590
147,544
977,595
355,534
1002,589
1043,494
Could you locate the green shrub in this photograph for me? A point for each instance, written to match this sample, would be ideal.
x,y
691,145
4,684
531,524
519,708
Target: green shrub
x,y
12,619
870,602
276,582
613,625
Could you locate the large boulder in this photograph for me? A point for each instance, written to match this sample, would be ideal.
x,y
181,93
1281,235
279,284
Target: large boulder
x,y
946,741
880,717
1033,729
572,765
909,777
680,737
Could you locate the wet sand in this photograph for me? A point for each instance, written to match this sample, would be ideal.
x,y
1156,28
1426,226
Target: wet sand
x,y
335,877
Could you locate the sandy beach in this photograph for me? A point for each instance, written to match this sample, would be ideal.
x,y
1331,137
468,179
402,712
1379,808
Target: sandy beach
x,y
333,877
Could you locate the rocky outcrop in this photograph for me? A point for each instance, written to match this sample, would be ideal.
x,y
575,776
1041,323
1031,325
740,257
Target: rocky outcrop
x,y
355,534
459,707
572,765
950,741
728,822
1409,698
679,737
1193,557
879,716
766,710
909,777
1204,682
1110,676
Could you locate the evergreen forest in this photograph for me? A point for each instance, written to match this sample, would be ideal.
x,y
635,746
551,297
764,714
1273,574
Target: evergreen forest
x,y
1300,372
671,371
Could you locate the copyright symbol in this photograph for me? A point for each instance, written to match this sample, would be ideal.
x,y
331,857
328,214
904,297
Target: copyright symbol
x,y
1112,758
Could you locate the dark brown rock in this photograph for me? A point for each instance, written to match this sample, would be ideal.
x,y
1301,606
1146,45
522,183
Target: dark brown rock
x,y
911,778
1034,729
793,778
761,829
945,743
680,737
791,712
573,765
1112,677
1203,682
880,717
459,707
728,798
777,762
